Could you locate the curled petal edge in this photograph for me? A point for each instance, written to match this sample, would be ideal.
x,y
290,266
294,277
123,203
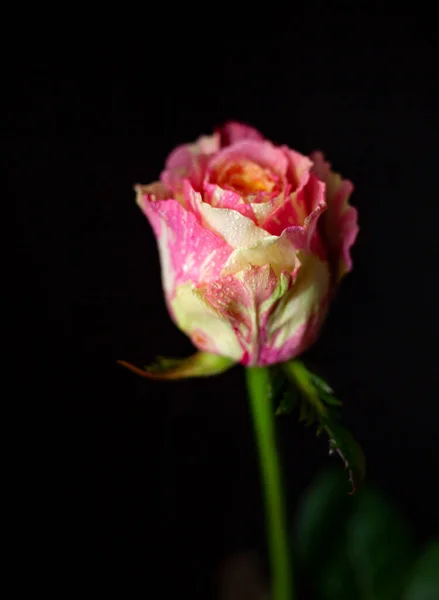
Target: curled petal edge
x,y
340,224
232,132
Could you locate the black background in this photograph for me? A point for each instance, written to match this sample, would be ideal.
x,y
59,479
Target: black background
x,y
159,480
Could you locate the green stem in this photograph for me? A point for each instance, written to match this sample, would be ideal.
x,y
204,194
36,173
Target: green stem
x,y
258,385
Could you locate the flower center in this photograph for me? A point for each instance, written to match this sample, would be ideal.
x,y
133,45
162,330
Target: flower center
x,y
245,177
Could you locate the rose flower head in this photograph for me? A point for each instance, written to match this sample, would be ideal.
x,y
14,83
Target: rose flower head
x,y
253,241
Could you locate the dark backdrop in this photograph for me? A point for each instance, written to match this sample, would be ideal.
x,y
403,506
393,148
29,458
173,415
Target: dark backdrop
x,y
160,480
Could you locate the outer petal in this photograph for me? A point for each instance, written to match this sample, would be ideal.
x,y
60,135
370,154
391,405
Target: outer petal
x,y
208,329
155,191
245,300
294,323
275,317
189,161
235,132
339,225
188,251
298,166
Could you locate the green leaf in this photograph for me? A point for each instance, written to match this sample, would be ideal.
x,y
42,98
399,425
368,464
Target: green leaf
x,y
277,381
287,403
317,406
201,364
330,399
320,383
299,374
282,394
344,444
320,387
424,578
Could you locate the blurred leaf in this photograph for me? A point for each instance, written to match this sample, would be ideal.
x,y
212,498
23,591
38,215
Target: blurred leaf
x,y
355,548
200,364
379,547
335,577
317,406
424,578
320,518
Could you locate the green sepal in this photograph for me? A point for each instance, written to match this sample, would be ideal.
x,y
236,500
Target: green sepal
x,y
200,364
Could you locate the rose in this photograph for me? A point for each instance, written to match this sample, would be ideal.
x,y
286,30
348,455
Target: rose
x,y
253,240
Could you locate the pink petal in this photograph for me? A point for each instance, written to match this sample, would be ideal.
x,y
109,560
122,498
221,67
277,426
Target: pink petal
x,y
218,197
298,166
233,132
231,225
261,152
155,191
339,226
188,251
300,214
189,161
